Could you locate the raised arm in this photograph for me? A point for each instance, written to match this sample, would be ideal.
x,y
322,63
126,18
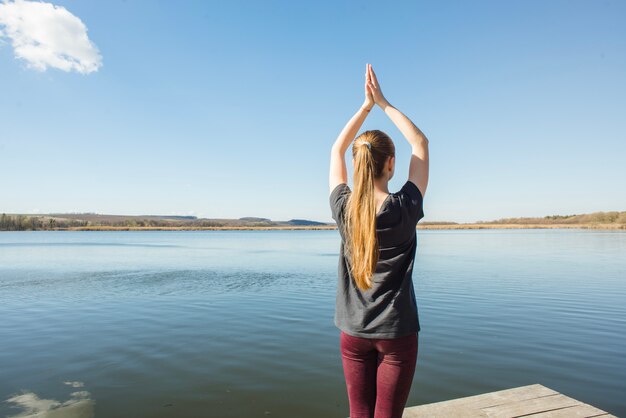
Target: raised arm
x,y
338,172
418,167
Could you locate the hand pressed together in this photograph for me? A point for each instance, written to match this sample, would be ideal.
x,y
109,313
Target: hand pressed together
x,y
373,93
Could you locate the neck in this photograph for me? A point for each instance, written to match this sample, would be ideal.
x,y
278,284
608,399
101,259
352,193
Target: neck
x,y
382,185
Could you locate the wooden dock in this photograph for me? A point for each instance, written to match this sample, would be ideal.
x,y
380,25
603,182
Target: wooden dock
x,y
535,401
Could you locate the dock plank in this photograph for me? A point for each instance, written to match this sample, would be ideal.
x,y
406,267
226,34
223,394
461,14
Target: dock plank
x,y
470,406
485,399
531,406
533,400
579,411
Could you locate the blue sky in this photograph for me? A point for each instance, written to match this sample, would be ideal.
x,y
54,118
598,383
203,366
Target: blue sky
x,y
229,109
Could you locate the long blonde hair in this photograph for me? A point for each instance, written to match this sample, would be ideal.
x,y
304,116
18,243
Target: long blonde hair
x,y
360,212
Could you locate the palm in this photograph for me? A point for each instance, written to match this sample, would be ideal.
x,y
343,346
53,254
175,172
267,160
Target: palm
x,y
369,96
371,84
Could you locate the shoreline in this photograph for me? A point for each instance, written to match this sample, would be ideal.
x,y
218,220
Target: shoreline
x,y
617,227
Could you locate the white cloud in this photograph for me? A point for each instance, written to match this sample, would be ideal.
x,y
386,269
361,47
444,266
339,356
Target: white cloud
x,y
45,35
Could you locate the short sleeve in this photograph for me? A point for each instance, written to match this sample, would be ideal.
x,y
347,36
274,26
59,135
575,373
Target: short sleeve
x,y
337,201
411,199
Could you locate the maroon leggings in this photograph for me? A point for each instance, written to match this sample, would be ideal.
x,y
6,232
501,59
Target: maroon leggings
x,y
379,373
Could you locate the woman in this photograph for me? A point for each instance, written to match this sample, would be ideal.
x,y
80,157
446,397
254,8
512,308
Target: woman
x,y
376,309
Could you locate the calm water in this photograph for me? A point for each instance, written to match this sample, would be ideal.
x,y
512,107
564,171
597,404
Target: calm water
x,y
240,323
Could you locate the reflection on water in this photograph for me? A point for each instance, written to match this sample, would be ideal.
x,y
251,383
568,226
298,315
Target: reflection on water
x,y
78,406
129,283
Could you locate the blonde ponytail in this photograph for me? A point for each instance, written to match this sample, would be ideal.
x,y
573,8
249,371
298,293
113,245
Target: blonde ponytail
x,y
362,241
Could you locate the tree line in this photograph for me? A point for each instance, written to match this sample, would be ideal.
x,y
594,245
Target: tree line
x,y
32,223
586,218
38,223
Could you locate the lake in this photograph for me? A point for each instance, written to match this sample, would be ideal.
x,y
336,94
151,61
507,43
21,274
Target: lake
x,y
240,323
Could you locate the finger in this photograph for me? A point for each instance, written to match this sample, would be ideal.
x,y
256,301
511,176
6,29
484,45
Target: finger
x,y
373,77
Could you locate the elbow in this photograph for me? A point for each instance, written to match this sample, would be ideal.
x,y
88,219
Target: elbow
x,y
420,144
418,140
336,149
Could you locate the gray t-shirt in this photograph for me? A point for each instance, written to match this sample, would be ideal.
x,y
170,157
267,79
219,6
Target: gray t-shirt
x,y
388,309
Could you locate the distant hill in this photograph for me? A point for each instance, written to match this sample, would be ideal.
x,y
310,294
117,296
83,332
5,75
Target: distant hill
x,y
51,221
253,219
54,221
303,222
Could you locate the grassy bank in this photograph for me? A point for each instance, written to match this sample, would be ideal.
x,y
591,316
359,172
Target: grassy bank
x,y
98,222
419,226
